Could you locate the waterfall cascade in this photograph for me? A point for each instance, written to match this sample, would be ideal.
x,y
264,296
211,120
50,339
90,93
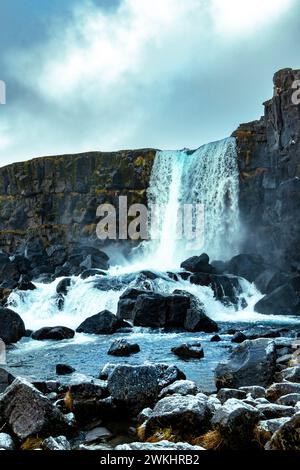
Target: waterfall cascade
x,y
207,181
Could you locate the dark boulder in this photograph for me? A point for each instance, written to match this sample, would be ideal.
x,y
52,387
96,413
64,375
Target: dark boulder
x,y
57,333
88,257
27,412
121,347
91,273
225,394
57,255
238,337
246,265
277,390
198,264
189,350
167,374
64,369
282,301
215,339
25,283
150,310
274,411
251,363
63,286
103,323
196,320
270,279
287,437
127,302
12,327
5,379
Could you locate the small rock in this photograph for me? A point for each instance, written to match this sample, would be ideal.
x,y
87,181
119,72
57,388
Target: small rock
x,y
291,374
255,391
289,400
238,337
266,428
225,394
56,333
121,347
180,387
97,434
215,339
102,323
279,389
189,350
56,443
272,411
64,369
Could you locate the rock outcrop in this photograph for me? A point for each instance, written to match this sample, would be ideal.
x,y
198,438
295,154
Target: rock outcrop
x,y
268,153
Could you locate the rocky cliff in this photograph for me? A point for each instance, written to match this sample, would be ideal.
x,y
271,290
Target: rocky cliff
x,y
269,162
57,197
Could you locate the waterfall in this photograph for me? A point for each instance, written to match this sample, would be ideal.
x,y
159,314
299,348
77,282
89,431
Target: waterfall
x,y
207,178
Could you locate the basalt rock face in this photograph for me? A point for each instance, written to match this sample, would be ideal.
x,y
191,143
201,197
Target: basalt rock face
x,y
269,164
57,197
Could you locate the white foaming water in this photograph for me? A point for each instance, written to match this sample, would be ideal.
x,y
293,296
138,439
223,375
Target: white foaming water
x,y
207,177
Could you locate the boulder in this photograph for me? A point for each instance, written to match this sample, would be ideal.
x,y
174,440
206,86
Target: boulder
x,y
189,350
291,374
121,347
6,442
6,379
12,327
198,264
27,412
167,374
91,273
226,393
196,320
56,443
291,399
64,369
255,391
266,428
247,266
282,301
269,280
238,337
150,310
63,286
182,414
57,255
103,323
180,387
251,363
161,445
215,339
235,421
107,370
127,302
277,390
88,257
87,400
272,410
287,437
134,388
56,333
25,283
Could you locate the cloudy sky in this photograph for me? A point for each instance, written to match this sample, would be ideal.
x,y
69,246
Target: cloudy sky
x,y
110,74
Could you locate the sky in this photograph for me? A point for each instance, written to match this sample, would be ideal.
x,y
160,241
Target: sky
x,y
85,75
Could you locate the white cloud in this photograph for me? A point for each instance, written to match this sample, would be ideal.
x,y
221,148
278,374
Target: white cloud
x,y
109,80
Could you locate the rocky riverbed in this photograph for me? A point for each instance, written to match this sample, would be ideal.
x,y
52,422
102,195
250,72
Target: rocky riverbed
x,y
178,362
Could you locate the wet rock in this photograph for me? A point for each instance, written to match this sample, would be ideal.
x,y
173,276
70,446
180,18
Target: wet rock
x,y
277,390
57,255
27,412
225,287
64,369
88,257
198,264
291,374
56,333
272,410
91,273
181,414
282,301
180,387
238,337
196,320
235,421
102,323
63,286
6,379
127,302
254,391
161,445
6,442
56,443
287,437
150,310
121,347
25,283
189,350
289,400
226,393
12,327
167,374
247,266
134,387
215,339
269,280
107,371
251,363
